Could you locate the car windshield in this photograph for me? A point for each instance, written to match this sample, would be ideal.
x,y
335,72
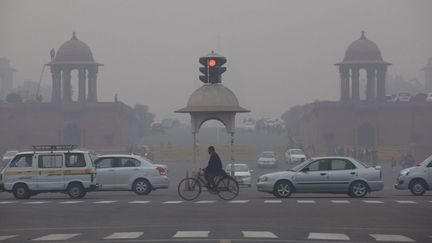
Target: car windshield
x,y
300,166
426,161
267,154
145,161
296,151
239,168
10,153
362,163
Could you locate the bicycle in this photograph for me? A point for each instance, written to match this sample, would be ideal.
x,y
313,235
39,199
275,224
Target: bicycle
x,y
190,188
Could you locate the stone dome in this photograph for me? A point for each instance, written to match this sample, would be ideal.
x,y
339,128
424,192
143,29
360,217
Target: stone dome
x,y
74,51
213,98
363,50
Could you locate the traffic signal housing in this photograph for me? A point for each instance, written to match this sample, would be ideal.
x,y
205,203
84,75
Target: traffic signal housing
x,y
212,68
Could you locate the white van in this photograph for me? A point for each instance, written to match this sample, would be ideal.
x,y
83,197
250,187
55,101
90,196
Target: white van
x,y
49,168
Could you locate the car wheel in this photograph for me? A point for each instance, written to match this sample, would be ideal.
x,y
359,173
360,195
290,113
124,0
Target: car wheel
x,y
21,191
358,189
283,189
141,187
76,191
418,188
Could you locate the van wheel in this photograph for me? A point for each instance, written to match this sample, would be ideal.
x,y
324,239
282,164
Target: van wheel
x,y
76,191
141,187
21,191
282,189
358,189
418,188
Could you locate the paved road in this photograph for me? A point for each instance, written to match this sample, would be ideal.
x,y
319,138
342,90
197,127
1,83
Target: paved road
x,y
387,216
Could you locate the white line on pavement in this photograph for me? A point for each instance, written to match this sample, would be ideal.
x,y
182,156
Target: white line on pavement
x,y
391,238
123,235
205,202
36,202
373,201
239,201
305,201
340,201
273,201
191,234
258,234
139,202
406,202
71,202
172,202
6,202
54,237
327,236
5,237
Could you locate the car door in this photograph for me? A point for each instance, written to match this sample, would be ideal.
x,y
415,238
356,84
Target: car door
x,y
21,169
429,174
50,176
342,173
105,173
127,170
314,177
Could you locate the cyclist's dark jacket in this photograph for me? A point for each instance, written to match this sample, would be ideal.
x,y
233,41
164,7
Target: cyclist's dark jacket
x,y
214,164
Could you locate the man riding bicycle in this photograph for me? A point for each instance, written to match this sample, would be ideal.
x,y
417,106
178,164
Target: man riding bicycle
x,y
213,169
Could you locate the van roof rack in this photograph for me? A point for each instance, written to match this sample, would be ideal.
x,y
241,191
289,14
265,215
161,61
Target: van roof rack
x,y
53,147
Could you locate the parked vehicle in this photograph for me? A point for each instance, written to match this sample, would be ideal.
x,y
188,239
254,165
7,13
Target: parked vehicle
x,y
324,175
403,97
419,97
54,168
8,156
429,97
294,156
130,173
267,159
417,179
242,173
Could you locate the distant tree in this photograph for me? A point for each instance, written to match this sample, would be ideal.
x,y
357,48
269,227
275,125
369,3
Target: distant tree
x,y
145,119
13,98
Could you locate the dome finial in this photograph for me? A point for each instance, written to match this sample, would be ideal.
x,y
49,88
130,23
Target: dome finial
x,y
363,37
74,36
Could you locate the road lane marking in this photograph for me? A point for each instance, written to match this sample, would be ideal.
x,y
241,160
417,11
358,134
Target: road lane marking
x,y
191,234
239,201
340,201
6,237
259,234
327,236
391,238
305,201
205,202
406,202
104,202
71,202
172,202
55,237
6,202
373,201
36,202
273,201
124,235
139,202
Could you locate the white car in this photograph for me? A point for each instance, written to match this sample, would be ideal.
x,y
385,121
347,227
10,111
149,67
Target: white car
x,y
403,97
267,159
429,97
242,173
295,156
417,179
130,173
324,175
249,126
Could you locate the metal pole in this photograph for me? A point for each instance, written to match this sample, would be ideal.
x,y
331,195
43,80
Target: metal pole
x,y
194,151
232,154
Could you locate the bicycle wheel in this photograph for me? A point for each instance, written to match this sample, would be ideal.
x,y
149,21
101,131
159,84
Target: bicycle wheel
x,y
189,189
227,188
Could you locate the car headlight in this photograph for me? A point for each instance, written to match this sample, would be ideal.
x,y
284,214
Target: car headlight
x,y
263,178
404,172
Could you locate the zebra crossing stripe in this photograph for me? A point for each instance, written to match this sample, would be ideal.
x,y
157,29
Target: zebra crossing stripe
x,y
6,202
406,202
340,201
35,202
191,234
391,238
305,201
56,237
172,202
104,202
259,234
71,202
373,201
327,236
6,237
139,202
239,201
273,201
205,202
124,235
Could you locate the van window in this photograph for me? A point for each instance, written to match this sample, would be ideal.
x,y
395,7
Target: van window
x,y
50,161
75,160
24,160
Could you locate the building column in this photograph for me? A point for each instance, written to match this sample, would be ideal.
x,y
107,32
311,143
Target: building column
x,y
67,87
344,85
81,85
56,85
370,85
381,85
355,77
92,85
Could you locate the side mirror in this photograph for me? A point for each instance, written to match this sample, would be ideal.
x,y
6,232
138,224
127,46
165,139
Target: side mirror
x,y
306,169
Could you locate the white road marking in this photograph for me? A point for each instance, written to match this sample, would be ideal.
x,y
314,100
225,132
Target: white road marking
x,y
5,237
35,202
139,202
373,201
406,202
54,237
191,234
239,201
327,236
6,202
205,202
273,201
305,201
71,202
123,235
340,201
391,238
172,202
259,234
104,202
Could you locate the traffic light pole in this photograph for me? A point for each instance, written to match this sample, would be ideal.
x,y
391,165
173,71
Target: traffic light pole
x,y
232,154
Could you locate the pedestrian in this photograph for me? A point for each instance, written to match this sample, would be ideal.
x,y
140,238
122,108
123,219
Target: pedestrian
x,y
393,163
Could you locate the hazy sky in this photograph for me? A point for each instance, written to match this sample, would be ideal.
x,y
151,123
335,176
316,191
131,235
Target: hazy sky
x,y
280,53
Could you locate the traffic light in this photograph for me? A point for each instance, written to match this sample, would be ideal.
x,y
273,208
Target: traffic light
x,y
212,68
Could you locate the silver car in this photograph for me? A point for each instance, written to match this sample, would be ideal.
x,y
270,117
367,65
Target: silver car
x,y
129,173
324,175
418,179
242,173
